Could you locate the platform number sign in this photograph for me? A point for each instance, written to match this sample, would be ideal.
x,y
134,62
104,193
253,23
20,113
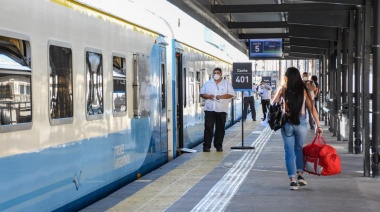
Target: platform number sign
x,y
242,76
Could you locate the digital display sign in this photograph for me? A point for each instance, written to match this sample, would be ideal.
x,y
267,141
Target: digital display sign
x,y
265,48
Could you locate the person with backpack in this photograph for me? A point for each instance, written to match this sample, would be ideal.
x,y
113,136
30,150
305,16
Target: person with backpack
x,y
296,98
311,88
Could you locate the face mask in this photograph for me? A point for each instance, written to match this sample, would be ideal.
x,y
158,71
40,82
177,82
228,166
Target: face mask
x,y
216,76
304,78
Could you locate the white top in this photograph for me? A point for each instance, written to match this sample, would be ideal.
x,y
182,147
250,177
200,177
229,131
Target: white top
x,y
265,93
223,87
310,91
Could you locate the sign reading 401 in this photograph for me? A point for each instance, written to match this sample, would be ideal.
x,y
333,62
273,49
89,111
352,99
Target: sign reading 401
x,y
242,76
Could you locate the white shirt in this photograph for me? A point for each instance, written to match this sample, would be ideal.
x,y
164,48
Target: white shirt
x,y
223,87
265,93
246,93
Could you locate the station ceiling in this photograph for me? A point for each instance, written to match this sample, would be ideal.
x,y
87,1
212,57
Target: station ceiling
x,y
307,27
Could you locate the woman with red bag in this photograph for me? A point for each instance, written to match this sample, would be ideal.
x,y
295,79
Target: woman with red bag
x,y
295,95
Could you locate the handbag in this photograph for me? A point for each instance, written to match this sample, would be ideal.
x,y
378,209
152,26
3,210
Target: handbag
x,y
276,116
320,158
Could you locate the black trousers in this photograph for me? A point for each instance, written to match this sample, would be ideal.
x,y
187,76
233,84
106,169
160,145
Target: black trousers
x,y
265,104
217,119
251,102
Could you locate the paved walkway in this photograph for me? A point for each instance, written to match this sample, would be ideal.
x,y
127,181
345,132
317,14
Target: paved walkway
x,y
247,180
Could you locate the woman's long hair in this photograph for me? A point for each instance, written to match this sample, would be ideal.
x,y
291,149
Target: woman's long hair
x,y
294,94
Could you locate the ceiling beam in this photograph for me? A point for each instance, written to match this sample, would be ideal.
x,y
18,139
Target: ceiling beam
x,y
312,43
269,24
307,50
352,2
303,55
312,32
321,33
320,18
251,8
262,35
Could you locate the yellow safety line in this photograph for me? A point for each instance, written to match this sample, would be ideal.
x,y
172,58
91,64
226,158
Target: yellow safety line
x,y
166,190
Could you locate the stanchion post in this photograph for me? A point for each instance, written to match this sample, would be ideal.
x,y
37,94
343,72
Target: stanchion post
x,y
242,127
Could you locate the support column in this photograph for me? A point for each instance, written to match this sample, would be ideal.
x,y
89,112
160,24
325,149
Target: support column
x,y
338,88
376,90
350,84
365,87
358,69
332,88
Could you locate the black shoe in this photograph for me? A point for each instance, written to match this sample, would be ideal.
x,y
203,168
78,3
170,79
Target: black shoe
x,y
254,119
219,150
206,150
312,128
301,181
293,186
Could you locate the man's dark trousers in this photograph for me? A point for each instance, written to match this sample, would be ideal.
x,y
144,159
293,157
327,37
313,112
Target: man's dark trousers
x,y
217,119
249,100
265,104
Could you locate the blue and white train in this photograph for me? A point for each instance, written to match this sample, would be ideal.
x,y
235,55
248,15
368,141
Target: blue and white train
x,y
94,94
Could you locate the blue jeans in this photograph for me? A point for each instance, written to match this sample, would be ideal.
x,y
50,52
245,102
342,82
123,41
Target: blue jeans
x,y
294,136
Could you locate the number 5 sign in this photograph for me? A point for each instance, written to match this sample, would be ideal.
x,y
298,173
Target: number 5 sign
x,y
242,76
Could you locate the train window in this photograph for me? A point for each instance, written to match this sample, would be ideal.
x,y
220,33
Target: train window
x,y
94,78
60,84
119,86
15,84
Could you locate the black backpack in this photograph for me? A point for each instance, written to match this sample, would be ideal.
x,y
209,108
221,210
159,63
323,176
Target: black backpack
x,y
276,117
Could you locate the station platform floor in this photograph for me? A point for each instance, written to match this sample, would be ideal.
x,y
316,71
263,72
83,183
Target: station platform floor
x,y
247,180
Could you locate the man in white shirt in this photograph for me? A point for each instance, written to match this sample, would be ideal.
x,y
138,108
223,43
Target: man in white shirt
x,y
249,100
266,94
217,93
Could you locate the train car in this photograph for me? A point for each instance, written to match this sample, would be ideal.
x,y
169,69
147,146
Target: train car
x,y
93,95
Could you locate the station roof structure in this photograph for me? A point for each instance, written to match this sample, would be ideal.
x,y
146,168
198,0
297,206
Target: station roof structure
x,y
307,27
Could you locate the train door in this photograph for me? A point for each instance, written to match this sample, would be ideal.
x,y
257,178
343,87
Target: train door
x,y
163,100
179,99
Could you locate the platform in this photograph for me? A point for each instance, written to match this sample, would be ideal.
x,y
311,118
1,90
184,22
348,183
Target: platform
x,y
247,180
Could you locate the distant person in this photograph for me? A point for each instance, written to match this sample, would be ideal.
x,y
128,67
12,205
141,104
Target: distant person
x,y
311,88
316,91
266,94
217,93
256,90
249,100
296,96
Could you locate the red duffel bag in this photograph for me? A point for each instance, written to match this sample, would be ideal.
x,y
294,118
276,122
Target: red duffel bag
x,y
320,158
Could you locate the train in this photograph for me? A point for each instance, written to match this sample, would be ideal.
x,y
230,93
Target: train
x,y
95,94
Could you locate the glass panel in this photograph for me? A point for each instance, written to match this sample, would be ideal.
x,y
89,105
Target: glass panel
x,y
60,82
94,69
119,85
15,107
15,79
